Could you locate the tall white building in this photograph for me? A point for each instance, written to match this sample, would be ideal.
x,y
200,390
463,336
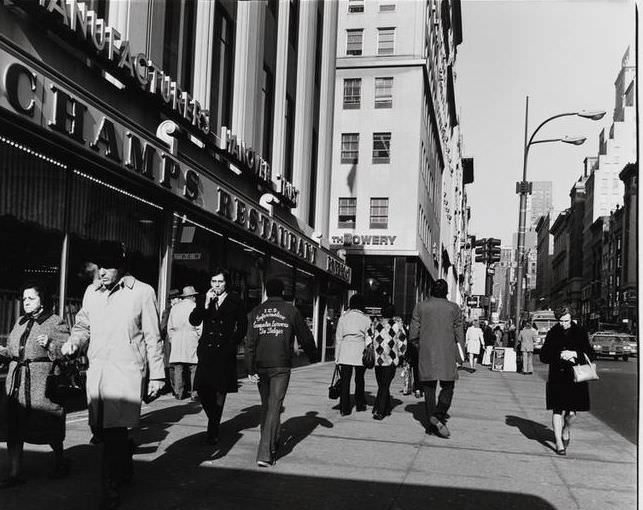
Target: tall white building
x,y
398,202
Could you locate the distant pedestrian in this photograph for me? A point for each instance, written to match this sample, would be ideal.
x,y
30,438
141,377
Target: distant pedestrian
x,y
437,328
497,331
273,326
351,337
474,343
118,325
389,338
29,415
172,299
184,339
526,344
565,345
225,323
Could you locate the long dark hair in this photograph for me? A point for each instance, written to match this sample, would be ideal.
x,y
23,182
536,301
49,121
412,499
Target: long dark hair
x,y
356,302
43,291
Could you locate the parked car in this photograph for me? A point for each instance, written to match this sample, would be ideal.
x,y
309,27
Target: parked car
x,y
614,344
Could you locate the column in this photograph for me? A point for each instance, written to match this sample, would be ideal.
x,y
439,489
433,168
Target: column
x,y
326,114
304,120
281,74
204,35
248,68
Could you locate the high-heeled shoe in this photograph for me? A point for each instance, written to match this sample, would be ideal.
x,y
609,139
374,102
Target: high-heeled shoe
x,y
566,442
561,451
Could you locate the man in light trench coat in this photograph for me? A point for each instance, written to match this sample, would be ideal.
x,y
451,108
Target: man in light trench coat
x,y
437,327
118,326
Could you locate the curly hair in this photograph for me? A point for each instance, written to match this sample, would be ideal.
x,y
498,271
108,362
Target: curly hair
x,y
562,310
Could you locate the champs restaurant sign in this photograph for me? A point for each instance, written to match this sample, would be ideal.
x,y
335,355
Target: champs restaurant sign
x,y
52,106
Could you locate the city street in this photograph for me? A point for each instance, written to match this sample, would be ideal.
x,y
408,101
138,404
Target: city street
x,y
499,456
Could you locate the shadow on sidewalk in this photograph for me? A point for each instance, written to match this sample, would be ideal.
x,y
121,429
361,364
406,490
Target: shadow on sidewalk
x,y
231,431
154,426
296,429
176,482
418,412
533,430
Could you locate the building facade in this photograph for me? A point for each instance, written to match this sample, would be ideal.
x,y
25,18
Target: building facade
x,y
197,133
629,280
398,202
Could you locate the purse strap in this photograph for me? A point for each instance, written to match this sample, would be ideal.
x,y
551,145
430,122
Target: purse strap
x,y
587,358
335,374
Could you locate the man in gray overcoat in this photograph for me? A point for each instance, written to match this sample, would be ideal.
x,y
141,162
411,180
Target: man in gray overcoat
x,y
436,328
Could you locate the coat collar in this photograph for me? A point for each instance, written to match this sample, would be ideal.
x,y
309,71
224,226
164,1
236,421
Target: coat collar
x,y
40,319
126,281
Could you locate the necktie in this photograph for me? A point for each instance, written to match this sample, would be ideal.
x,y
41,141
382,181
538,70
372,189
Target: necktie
x,y
215,302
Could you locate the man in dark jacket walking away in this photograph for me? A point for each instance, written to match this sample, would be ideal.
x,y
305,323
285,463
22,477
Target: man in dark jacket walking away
x,y
273,326
437,328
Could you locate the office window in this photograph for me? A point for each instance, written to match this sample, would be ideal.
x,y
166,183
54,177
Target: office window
x,y
385,41
350,147
347,211
381,147
354,41
379,213
178,42
387,7
352,93
383,92
355,5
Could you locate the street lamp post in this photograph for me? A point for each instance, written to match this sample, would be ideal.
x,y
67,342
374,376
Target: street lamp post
x,y
523,188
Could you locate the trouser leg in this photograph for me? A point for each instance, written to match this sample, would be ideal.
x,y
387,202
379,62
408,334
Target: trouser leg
x,y
116,461
428,387
528,360
346,373
273,384
212,403
389,374
378,406
444,399
360,397
179,384
192,369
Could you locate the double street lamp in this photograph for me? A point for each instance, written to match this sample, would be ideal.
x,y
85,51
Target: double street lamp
x,y
523,188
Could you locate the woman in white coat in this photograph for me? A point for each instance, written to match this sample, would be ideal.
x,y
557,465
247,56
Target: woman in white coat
x,y
351,337
474,342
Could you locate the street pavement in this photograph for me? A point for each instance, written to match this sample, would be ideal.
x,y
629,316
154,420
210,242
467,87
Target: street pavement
x,y
500,455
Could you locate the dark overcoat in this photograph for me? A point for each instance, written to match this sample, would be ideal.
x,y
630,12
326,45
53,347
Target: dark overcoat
x,y
223,330
436,328
562,393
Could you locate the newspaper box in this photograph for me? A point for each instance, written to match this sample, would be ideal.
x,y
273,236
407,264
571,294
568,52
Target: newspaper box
x,y
504,359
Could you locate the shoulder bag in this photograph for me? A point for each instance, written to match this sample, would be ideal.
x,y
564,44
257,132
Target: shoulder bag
x,y
586,372
368,356
335,388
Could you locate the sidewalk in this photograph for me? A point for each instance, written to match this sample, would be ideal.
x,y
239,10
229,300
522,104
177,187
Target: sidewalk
x,y
499,456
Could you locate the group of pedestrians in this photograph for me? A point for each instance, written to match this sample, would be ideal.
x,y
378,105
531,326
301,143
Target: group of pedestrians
x,y
118,328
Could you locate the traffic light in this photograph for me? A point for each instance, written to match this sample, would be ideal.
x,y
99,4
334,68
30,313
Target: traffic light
x,y
493,248
481,250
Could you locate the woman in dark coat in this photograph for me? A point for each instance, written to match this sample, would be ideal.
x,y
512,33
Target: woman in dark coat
x,y
566,344
29,416
224,325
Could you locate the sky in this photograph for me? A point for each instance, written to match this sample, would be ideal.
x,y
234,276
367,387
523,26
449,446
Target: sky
x,y
565,55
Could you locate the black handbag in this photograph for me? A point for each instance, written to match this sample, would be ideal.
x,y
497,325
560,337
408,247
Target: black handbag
x,y
368,356
64,381
335,388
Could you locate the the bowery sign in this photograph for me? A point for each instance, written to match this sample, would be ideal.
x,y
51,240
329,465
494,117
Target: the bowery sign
x,y
363,240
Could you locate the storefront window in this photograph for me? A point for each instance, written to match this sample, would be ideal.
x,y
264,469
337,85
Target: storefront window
x,y
305,295
246,266
32,198
198,251
286,273
102,212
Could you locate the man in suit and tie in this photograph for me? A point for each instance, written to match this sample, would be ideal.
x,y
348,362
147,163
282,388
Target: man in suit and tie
x,y
223,316
437,327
